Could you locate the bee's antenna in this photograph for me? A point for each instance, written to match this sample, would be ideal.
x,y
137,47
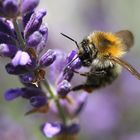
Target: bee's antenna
x,y
71,39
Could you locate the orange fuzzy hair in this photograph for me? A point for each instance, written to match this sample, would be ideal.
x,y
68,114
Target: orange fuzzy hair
x,y
107,44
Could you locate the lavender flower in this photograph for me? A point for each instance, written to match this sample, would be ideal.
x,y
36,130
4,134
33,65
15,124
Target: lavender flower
x,y
24,40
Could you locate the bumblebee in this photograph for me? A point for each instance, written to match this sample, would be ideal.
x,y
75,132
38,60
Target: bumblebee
x,y
102,52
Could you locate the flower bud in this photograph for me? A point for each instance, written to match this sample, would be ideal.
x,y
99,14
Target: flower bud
x,y
21,58
11,8
51,129
34,39
48,58
6,28
43,29
63,88
76,64
7,39
41,46
31,92
38,101
70,129
7,50
12,94
34,23
16,70
29,5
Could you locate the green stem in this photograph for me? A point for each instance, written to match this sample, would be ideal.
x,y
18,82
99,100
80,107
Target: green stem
x,y
19,35
58,105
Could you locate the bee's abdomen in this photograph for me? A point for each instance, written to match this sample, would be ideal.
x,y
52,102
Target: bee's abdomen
x,y
103,79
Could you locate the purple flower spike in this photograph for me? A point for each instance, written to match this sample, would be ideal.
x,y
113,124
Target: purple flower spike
x,y
64,88
48,58
34,39
12,94
21,58
29,5
34,23
51,129
11,8
38,101
7,50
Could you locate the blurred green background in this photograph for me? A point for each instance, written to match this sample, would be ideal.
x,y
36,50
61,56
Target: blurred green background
x,y
112,113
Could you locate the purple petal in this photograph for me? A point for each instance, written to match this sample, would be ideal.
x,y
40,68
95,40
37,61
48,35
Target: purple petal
x,y
70,129
34,39
42,45
71,55
63,88
11,7
38,101
12,94
26,18
7,50
34,23
29,5
31,92
76,64
51,129
21,58
43,29
16,70
48,58
27,78
6,28
7,39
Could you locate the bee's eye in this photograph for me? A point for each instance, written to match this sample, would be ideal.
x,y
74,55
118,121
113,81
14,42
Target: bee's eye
x,y
85,42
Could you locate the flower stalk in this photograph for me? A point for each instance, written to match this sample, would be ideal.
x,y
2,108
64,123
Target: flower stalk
x,y
19,35
55,98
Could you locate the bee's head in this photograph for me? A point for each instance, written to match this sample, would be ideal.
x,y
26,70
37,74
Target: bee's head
x,y
86,52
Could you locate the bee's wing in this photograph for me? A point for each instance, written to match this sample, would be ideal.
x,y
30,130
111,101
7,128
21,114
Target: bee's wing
x,y
126,65
126,37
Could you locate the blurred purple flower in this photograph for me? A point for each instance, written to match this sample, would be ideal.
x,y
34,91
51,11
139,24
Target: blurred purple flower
x,y
131,136
51,129
104,114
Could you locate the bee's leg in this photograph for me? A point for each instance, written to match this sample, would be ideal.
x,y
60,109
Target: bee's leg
x,y
88,88
96,73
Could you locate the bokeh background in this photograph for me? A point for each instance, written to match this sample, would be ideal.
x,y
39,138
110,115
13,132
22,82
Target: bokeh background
x,y
112,113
